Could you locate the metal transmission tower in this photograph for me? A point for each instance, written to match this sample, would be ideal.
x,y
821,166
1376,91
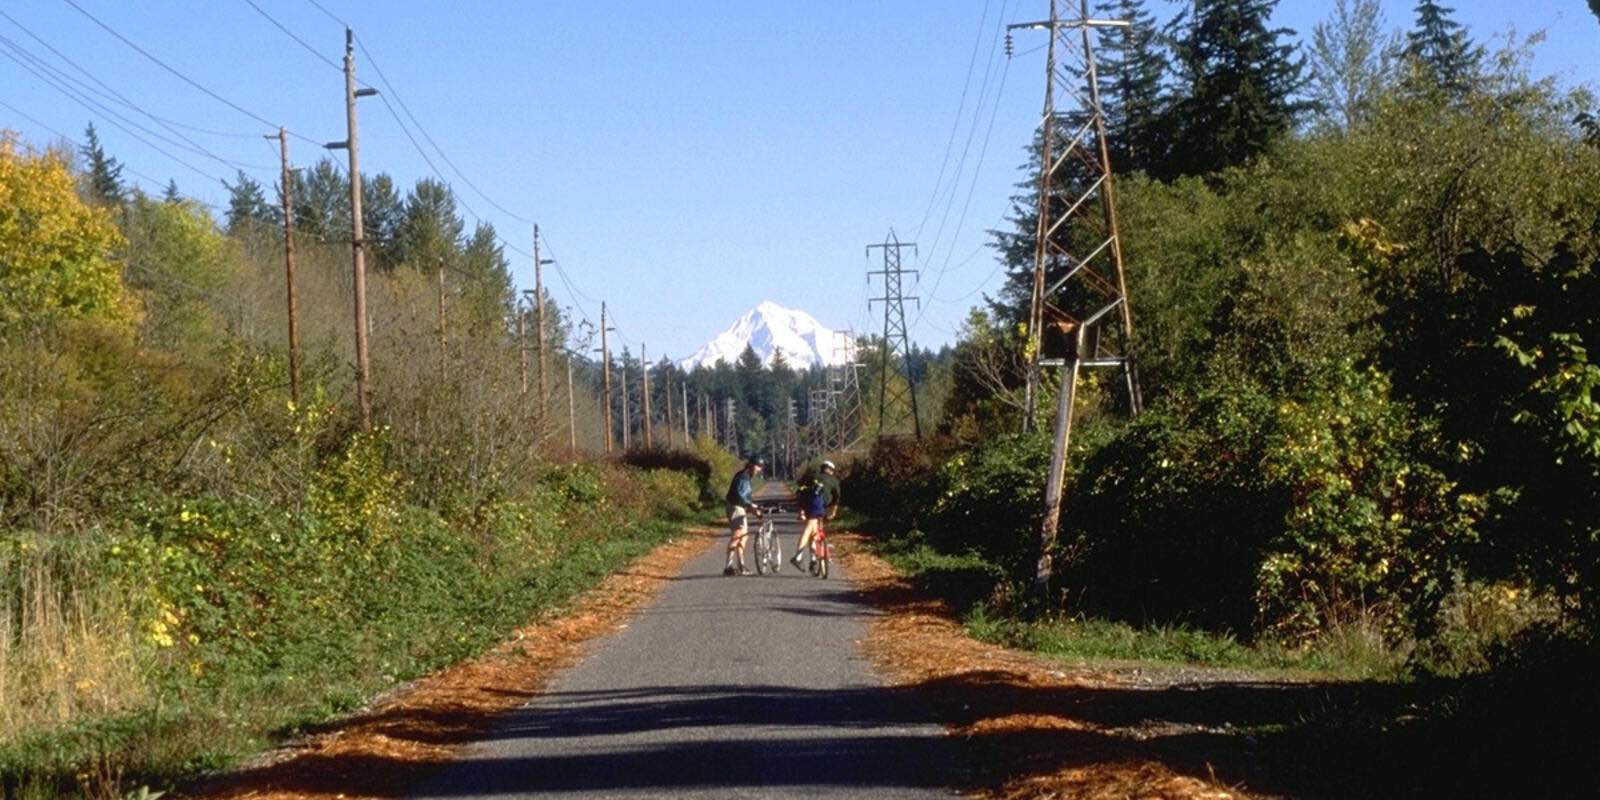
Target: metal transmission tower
x,y
849,409
897,394
1079,286
817,407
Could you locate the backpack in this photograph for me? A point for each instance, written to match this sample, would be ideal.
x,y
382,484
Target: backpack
x,y
812,498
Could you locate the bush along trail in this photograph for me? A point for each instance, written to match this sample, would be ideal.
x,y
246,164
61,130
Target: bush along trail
x,y
389,749
246,626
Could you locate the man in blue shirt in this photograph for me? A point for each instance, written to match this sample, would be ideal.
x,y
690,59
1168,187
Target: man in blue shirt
x,y
740,504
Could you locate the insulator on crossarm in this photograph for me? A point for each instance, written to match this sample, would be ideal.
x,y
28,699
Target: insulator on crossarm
x,y
1008,44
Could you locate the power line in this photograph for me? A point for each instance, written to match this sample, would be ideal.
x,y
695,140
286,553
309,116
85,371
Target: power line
x,y
955,123
118,96
79,145
82,91
966,206
425,135
169,68
971,135
291,34
420,129
329,14
105,115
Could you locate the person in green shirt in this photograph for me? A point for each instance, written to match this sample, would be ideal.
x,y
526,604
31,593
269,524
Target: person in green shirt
x,y
819,500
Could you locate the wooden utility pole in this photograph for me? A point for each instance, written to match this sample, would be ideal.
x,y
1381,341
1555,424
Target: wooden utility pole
x,y
605,375
539,329
669,410
644,366
288,267
522,347
572,409
627,420
358,260
443,354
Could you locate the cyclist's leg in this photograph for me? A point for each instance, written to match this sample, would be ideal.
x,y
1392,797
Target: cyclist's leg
x,y
738,529
805,540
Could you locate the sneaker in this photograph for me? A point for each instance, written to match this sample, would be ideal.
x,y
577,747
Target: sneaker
x,y
745,571
728,570
796,562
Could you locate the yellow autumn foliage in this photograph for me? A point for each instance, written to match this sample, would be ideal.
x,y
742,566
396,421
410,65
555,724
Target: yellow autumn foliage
x,y
56,251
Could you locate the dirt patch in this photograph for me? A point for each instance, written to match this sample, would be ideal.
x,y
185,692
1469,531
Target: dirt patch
x,y
1036,729
385,750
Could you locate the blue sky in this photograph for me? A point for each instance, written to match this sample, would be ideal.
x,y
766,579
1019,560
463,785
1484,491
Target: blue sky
x,y
685,159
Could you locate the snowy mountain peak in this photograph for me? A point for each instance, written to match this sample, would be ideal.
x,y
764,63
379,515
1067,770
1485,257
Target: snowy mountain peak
x,y
770,328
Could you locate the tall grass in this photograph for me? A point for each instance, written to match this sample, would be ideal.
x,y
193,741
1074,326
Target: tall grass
x,y
68,649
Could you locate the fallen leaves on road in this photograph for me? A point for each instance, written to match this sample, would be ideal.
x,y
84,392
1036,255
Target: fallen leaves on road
x,y
384,751
1017,711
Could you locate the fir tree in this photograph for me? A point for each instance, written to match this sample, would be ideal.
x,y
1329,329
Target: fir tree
x,y
1131,75
382,210
1239,79
171,194
105,172
1442,57
322,203
431,229
483,262
247,205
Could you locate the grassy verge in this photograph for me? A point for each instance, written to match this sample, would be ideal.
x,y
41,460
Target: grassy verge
x,y
1354,721
968,582
287,658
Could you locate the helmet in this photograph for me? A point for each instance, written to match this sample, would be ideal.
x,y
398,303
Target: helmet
x,y
828,465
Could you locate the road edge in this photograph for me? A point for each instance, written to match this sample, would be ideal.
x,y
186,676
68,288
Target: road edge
x,y
917,643
407,733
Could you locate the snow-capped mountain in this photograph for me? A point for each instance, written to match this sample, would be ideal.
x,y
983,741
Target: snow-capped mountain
x,y
770,328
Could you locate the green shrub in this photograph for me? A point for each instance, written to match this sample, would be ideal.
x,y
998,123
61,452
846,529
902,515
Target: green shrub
x,y
673,494
689,462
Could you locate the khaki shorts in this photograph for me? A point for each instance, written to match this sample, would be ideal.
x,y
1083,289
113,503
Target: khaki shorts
x,y
738,521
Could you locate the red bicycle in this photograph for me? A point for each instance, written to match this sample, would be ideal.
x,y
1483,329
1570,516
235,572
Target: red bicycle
x,y
819,552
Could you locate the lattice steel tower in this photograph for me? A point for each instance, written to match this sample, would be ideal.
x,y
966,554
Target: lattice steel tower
x,y
1079,301
1079,285
897,393
850,423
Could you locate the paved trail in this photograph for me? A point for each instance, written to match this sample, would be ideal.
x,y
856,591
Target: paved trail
x,y
724,687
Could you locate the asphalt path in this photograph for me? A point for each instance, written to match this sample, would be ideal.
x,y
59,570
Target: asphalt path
x,y
723,687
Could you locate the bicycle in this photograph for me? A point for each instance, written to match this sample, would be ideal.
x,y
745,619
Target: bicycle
x,y
819,552
769,551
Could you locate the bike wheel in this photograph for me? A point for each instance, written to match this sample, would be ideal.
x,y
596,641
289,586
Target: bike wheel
x,y
822,568
761,552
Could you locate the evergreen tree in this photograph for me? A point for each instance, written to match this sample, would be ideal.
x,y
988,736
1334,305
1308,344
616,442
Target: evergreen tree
x,y
247,205
430,230
1442,57
105,172
382,211
1131,76
483,260
1238,83
171,194
322,203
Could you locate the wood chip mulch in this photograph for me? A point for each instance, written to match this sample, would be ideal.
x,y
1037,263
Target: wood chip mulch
x,y
1036,729
387,749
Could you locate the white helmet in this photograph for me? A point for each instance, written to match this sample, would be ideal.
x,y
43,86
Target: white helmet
x,y
828,465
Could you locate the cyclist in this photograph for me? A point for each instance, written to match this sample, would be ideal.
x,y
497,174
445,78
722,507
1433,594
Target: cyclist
x,y
740,503
819,500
